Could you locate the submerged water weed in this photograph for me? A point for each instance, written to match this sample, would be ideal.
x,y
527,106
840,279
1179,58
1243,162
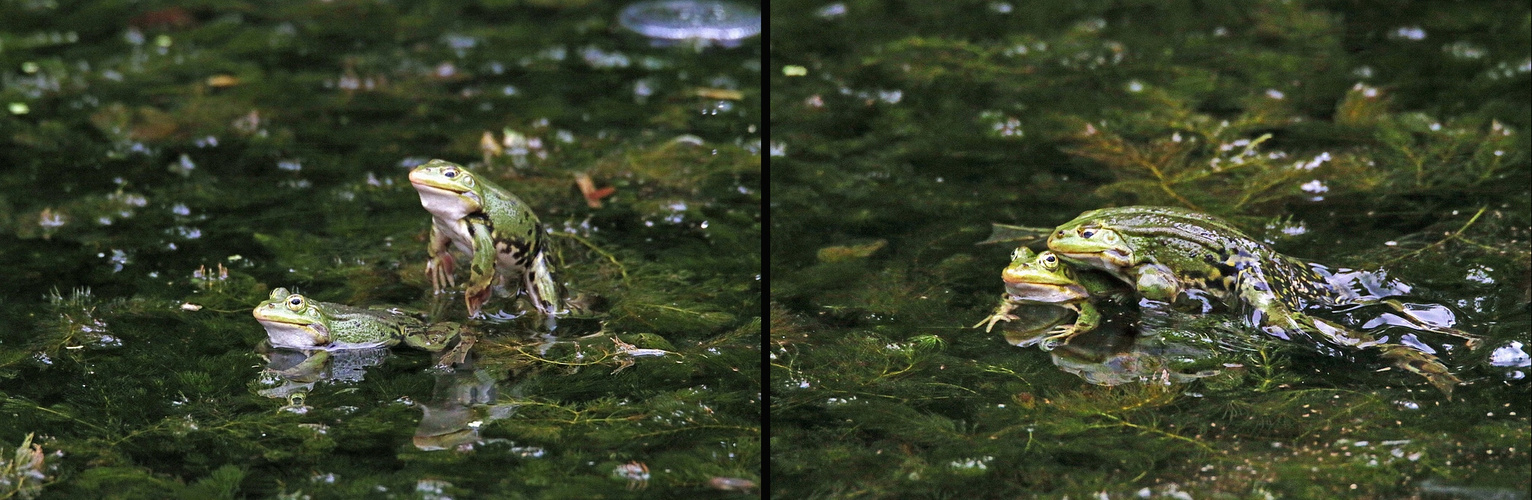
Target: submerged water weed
x,y
1172,155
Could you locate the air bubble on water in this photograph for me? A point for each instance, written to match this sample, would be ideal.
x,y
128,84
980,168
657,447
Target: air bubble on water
x,y
831,11
696,20
1409,33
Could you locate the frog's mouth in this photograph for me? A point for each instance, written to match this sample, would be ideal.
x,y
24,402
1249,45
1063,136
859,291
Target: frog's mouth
x,y
296,335
1109,259
1051,294
447,203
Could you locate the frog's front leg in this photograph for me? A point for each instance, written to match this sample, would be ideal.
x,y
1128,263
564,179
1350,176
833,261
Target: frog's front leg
x,y
1086,319
439,265
1156,282
481,270
310,370
1002,313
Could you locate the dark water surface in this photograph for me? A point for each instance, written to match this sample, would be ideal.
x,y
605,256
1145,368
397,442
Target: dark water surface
x,y
165,167
1378,136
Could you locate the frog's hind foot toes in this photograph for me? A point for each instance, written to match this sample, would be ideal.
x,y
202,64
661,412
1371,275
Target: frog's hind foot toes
x,y
1425,365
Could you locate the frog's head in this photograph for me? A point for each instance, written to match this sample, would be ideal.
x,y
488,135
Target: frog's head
x,y
293,321
1041,277
1089,242
447,190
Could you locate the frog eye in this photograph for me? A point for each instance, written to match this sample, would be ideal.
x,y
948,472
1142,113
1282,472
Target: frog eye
x,y
449,172
1087,233
295,303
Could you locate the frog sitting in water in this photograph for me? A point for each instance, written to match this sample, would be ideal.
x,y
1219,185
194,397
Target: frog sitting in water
x,y
499,233
1042,278
1171,253
295,322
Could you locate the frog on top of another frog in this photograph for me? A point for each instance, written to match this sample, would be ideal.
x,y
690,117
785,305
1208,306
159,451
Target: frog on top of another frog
x,y
1169,253
503,239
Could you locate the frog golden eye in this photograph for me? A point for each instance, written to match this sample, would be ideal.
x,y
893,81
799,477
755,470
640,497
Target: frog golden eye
x,y
449,173
295,303
1087,233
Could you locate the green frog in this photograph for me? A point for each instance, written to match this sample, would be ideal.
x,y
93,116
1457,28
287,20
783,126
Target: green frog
x,y
293,321
1044,279
498,232
1168,254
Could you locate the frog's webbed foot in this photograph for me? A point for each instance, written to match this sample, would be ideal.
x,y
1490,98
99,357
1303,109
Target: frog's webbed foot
x,y
1424,365
476,297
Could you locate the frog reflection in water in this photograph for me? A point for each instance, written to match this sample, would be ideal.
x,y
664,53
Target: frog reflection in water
x,y
1170,254
296,322
1043,279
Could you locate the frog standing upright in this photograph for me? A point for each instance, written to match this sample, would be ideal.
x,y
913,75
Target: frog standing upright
x,y
503,239
1171,253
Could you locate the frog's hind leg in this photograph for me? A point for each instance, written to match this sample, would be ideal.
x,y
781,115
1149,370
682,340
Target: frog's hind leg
x,y
1405,357
1422,364
542,288
1470,340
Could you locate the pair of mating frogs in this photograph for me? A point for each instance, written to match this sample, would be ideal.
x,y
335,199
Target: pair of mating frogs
x,y
1177,256
504,243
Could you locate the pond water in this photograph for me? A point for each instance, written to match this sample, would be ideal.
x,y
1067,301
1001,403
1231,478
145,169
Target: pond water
x,y
166,168
1387,142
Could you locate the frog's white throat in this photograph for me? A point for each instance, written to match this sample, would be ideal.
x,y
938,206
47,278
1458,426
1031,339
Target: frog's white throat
x,y
448,204
296,336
